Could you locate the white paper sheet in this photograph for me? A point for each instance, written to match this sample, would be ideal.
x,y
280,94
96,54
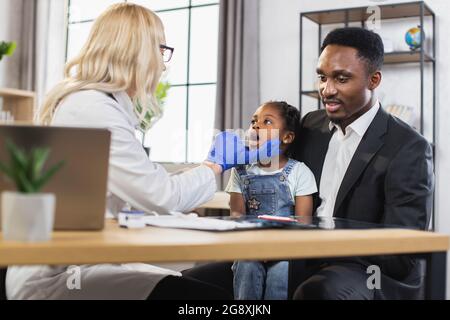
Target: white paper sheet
x,y
197,223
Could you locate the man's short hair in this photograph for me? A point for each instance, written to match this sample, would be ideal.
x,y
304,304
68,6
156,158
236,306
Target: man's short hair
x,y
368,43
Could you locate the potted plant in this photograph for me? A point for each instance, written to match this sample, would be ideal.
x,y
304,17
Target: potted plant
x,y
28,215
161,92
7,48
161,95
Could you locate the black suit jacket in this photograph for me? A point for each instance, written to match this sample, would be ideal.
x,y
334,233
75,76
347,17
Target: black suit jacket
x,y
389,180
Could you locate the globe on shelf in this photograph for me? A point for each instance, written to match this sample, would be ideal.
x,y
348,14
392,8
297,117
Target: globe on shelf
x,y
413,38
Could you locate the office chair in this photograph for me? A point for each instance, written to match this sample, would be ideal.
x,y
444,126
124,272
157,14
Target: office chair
x,y
2,284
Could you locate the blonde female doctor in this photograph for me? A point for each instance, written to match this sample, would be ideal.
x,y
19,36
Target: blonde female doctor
x,y
111,84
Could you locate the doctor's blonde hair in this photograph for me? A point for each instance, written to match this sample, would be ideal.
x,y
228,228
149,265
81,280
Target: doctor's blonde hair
x,y
121,53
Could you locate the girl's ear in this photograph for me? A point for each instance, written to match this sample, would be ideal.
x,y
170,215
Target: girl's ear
x,y
288,137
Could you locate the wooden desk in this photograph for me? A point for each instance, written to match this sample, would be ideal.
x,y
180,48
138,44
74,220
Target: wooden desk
x,y
116,245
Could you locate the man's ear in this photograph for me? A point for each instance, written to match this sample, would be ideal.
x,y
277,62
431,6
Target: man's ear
x,y
288,137
375,80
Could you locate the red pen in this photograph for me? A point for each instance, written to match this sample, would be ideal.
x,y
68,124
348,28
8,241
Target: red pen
x,y
276,218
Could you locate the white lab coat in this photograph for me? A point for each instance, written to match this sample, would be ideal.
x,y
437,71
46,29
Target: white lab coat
x,y
132,179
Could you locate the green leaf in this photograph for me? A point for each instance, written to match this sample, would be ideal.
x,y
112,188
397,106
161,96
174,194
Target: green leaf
x,y
25,169
161,92
39,156
24,185
3,47
7,171
7,48
17,161
39,183
11,48
18,157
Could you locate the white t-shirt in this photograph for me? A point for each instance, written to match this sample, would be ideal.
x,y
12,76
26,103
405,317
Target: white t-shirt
x,y
301,180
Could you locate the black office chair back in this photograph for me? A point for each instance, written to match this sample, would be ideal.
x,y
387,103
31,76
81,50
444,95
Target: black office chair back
x,y
2,284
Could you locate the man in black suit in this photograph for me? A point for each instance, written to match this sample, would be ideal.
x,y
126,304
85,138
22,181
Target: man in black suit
x,y
369,166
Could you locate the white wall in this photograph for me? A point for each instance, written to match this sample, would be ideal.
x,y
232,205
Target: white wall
x,y
4,9
279,45
50,44
10,13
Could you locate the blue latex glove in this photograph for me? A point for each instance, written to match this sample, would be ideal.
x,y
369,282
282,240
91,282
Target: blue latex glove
x,y
229,151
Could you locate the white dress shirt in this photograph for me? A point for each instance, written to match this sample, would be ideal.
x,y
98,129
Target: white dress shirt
x,y
132,179
340,152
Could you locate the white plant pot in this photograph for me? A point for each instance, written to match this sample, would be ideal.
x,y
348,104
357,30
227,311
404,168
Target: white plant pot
x,y
27,217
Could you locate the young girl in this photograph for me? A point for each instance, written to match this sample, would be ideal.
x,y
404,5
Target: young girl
x,y
261,189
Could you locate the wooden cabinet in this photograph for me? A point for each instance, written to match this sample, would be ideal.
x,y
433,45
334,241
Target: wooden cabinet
x,y
20,104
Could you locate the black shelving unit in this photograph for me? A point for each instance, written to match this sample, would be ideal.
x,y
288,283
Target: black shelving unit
x,y
417,9
345,16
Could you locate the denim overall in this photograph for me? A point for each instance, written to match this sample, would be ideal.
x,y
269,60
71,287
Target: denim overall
x,y
264,194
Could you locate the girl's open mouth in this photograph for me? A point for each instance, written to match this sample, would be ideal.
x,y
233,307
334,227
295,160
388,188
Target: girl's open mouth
x,y
252,139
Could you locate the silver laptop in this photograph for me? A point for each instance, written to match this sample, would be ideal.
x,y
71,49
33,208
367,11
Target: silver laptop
x,y
81,185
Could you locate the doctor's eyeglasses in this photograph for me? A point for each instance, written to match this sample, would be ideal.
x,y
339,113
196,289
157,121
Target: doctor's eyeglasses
x,y
167,52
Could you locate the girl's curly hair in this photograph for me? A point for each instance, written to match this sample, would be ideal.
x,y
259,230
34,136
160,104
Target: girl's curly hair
x,y
291,116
